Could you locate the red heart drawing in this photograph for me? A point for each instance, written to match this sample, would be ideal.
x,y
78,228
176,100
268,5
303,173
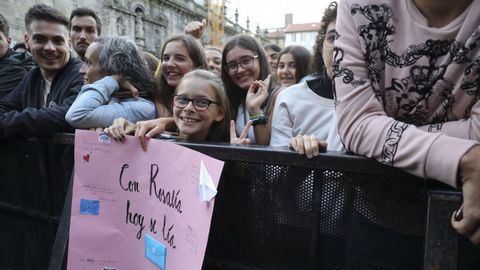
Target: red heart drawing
x,y
86,158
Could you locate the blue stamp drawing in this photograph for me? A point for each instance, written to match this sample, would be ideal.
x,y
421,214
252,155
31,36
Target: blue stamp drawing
x,y
89,207
155,252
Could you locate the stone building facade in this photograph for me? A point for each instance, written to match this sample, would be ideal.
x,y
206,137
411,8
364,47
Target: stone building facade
x,y
147,22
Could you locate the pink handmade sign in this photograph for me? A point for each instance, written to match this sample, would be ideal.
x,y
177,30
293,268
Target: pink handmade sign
x,y
140,210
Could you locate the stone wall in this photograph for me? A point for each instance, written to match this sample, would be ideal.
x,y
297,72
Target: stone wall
x,y
149,23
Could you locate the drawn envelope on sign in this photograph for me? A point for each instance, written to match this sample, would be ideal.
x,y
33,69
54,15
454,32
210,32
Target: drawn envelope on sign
x,y
206,187
155,251
89,207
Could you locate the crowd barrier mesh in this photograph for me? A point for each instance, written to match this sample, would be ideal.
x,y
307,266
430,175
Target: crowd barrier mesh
x,y
274,210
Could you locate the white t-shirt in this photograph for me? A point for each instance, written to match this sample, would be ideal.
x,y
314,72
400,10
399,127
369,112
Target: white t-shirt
x,y
47,85
300,111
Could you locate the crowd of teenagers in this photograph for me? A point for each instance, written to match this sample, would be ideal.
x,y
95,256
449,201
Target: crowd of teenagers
x,y
393,80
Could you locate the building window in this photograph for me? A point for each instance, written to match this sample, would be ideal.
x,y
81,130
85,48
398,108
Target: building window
x,y
303,36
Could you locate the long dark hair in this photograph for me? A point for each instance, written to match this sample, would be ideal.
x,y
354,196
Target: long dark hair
x,y
195,52
302,58
235,94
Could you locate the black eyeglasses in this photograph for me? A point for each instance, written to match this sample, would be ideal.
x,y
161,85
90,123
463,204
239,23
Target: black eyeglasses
x,y
245,62
200,104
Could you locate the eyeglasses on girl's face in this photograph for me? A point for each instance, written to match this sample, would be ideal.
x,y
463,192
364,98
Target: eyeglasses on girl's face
x,y
200,104
246,62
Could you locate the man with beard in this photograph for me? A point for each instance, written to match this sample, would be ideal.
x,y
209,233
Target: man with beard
x,y
37,106
85,27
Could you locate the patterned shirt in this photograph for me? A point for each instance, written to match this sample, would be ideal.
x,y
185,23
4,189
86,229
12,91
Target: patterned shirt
x,y
407,93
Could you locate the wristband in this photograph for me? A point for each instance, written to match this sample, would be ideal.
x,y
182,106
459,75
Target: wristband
x,y
256,116
260,120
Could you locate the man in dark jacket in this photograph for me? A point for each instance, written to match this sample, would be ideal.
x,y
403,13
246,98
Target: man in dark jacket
x,y
37,107
13,66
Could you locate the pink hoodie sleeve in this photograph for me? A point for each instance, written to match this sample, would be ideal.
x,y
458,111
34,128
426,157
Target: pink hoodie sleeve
x,y
464,128
365,127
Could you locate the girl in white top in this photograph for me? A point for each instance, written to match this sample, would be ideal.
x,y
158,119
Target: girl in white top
x,y
304,114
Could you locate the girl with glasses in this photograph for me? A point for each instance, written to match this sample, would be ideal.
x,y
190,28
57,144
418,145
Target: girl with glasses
x,y
179,55
244,72
200,109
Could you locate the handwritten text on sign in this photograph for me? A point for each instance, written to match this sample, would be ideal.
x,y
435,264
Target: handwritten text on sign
x,y
138,210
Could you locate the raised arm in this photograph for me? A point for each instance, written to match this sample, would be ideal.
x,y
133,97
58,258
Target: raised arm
x,y
196,28
93,108
256,96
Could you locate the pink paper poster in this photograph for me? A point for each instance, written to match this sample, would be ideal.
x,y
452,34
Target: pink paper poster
x,y
133,209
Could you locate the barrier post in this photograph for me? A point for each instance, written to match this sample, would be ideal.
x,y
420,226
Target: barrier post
x,y
441,240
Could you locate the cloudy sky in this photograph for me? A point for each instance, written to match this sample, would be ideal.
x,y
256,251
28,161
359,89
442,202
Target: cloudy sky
x,y
271,13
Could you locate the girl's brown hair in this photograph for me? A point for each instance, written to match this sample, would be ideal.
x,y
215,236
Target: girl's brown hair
x,y
195,52
235,94
302,58
219,131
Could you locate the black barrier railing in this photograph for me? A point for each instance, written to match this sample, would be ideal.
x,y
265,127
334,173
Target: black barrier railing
x,y
275,209
34,179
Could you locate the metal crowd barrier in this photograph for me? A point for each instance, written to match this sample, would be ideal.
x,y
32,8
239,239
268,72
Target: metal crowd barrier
x,y
275,209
